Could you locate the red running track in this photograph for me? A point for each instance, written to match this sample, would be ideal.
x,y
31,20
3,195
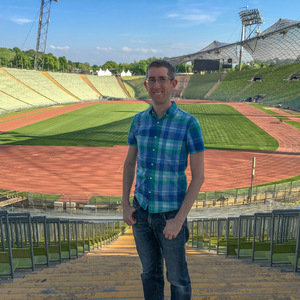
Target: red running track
x,y
98,171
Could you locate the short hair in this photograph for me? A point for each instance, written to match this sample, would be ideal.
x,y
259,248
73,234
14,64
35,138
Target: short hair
x,y
162,63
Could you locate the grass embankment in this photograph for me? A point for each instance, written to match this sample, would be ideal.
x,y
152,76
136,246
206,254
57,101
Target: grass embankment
x,y
135,86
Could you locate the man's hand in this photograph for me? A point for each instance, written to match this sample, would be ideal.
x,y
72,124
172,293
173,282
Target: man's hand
x,y
128,210
172,229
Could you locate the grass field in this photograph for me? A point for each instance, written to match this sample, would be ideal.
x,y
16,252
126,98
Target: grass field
x,y
225,128
108,124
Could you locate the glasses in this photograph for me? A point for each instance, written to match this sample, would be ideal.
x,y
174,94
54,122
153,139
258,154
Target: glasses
x,y
161,80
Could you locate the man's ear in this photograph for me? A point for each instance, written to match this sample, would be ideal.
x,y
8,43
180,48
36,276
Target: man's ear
x,y
145,84
174,83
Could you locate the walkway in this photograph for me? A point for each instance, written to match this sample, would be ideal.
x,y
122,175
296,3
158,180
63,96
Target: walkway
x,y
113,272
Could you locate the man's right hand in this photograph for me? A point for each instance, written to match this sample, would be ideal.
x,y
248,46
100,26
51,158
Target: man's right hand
x,y
128,211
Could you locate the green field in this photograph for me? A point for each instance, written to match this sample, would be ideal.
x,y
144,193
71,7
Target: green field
x,y
108,124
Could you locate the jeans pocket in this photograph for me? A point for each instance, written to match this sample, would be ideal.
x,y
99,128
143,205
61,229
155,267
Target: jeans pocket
x,y
137,207
135,203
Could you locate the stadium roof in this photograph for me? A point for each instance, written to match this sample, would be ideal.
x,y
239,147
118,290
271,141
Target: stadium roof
x,y
279,42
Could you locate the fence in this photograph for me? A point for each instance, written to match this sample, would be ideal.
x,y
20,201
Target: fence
x,y
28,241
281,192
273,238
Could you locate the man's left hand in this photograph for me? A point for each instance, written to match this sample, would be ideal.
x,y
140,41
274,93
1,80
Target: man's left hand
x,y
172,229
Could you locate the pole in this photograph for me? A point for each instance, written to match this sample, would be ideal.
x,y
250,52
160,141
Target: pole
x,y
242,47
252,178
38,36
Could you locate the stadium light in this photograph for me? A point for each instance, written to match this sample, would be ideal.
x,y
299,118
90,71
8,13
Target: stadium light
x,y
43,31
249,17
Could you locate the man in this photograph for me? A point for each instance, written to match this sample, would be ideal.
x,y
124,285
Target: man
x,y
160,140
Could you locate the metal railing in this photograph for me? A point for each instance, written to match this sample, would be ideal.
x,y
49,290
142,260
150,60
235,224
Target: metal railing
x,y
270,237
27,241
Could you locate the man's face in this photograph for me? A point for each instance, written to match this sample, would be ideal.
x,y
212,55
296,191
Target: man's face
x,y
159,86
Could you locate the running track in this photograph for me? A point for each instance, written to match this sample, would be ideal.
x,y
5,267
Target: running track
x,y
98,171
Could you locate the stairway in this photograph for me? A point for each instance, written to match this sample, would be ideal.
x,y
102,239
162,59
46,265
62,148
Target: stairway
x,y
113,272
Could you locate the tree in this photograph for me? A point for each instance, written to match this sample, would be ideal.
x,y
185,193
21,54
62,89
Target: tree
x,y
63,64
95,68
112,66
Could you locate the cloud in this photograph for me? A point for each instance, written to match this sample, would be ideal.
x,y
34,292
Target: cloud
x,y
139,50
193,16
104,49
64,48
21,21
126,49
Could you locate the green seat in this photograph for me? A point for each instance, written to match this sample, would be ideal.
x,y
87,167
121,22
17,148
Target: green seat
x,y
22,258
40,255
5,264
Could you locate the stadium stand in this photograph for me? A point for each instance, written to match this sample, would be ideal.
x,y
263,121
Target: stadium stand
x,y
233,84
270,83
75,85
136,86
22,92
108,86
199,85
293,103
38,82
182,82
9,103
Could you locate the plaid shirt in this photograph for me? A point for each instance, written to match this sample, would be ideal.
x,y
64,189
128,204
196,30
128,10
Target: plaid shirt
x,y
163,148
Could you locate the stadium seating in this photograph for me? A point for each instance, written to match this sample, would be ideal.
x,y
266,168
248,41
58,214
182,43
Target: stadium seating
x,y
22,92
38,82
74,84
8,103
108,86
200,85
234,83
27,241
137,89
271,83
271,237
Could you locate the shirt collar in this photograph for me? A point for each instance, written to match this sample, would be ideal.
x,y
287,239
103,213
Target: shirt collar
x,y
171,111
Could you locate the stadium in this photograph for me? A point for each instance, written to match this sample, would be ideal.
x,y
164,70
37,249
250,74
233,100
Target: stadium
x,y
63,141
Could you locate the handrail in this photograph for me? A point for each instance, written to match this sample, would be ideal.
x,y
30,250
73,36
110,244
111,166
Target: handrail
x,y
41,239
271,236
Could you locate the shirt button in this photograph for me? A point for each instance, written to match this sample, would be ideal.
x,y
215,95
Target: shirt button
x,y
156,137
151,178
152,164
153,149
157,122
149,192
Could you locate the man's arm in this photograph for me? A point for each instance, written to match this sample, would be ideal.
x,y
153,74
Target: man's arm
x,y
197,168
128,176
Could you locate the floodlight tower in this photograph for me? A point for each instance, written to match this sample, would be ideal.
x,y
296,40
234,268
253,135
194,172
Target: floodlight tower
x,y
43,31
251,20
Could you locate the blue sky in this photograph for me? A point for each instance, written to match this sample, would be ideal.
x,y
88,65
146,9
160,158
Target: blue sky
x,y
96,31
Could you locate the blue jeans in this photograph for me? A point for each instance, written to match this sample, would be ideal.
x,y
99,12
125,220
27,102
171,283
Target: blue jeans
x,y
153,247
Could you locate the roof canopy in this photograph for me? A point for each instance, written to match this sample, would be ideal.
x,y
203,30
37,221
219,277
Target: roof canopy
x,y
280,42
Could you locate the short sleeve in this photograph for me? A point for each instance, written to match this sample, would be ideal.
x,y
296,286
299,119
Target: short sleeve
x,y
195,142
131,136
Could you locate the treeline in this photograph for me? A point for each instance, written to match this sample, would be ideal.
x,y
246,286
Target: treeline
x,y
15,58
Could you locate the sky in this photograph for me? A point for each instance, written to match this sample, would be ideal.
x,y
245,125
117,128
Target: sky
x,y
96,31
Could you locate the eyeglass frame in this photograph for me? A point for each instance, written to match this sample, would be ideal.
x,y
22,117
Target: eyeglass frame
x,y
161,80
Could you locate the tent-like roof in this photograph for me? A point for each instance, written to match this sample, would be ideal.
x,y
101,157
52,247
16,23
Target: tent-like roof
x,y
279,42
